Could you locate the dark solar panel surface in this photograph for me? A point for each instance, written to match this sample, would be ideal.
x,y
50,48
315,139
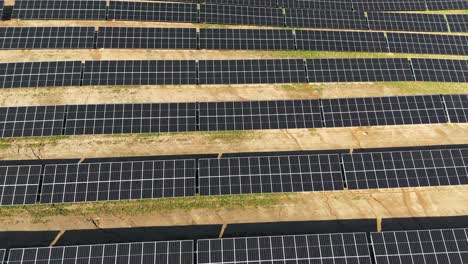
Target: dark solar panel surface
x,y
19,185
161,252
263,3
216,116
2,251
246,39
139,72
458,23
273,174
440,70
341,41
251,71
427,43
389,5
457,107
31,121
153,11
60,9
40,74
381,111
399,169
113,181
241,15
316,4
130,118
317,249
304,18
359,70
1,16
146,38
407,22
46,37
447,4
426,246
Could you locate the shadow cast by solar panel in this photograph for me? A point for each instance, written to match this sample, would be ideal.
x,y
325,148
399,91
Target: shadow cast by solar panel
x,y
423,223
14,239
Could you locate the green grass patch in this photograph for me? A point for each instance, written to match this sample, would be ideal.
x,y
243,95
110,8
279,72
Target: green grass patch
x,y
131,208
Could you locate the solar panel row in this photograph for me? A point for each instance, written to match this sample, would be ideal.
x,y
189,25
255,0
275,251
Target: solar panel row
x,y
458,23
98,73
233,39
337,14
254,115
153,179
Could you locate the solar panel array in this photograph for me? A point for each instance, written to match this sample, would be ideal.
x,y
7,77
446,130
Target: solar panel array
x,y
153,11
31,121
440,70
246,39
263,3
341,41
251,71
241,15
146,38
271,174
46,37
427,44
130,118
317,249
2,255
19,185
399,169
457,107
139,72
447,5
40,74
389,5
458,23
359,70
161,252
407,22
422,246
303,18
383,111
1,16
218,116
135,180
53,9
316,4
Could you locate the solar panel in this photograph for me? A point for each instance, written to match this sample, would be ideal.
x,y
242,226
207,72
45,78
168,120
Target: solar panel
x,y
1,16
32,121
246,39
273,174
2,251
130,118
447,4
216,116
46,37
407,22
457,107
251,71
389,5
427,43
114,181
40,74
317,249
341,41
383,111
60,9
153,11
307,18
316,4
440,70
139,72
421,246
161,252
457,23
399,169
359,70
264,3
241,15
19,185
146,38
